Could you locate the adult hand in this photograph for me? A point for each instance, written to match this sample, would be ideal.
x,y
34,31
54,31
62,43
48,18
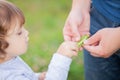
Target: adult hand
x,y
78,20
104,42
77,24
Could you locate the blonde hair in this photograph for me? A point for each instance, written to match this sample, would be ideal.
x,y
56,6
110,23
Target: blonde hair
x,y
9,13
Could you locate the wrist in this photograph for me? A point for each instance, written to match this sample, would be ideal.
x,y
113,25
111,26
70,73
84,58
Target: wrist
x,y
61,53
81,5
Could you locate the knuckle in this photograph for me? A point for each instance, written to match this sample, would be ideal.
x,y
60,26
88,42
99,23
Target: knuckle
x,y
101,53
104,54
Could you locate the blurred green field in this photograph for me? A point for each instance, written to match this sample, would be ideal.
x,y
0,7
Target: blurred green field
x,y
45,20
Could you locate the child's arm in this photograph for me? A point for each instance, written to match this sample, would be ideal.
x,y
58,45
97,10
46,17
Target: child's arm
x,y
61,60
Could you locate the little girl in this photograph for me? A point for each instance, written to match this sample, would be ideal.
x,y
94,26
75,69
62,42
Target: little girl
x,y
14,41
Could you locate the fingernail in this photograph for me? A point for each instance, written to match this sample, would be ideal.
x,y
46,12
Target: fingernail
x,y
85,42
77,39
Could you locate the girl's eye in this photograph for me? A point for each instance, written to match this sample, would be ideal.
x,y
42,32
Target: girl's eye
x,y
20,33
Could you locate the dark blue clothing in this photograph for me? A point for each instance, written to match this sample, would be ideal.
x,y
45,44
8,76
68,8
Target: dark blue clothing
x,y
102,68
109,8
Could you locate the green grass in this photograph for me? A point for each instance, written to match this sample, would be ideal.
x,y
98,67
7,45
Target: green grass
x,y
45,20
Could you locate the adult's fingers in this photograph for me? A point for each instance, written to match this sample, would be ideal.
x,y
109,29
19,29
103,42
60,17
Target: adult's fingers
x,y
96,51
93,39
67,33
75,32
94,54
67,38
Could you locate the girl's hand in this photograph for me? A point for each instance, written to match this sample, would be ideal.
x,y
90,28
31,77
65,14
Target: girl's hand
x,y
68,48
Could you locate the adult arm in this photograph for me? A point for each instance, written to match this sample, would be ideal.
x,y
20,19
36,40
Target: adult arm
x,y
78,20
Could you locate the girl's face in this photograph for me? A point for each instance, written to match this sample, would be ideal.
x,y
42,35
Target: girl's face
x,y
18,41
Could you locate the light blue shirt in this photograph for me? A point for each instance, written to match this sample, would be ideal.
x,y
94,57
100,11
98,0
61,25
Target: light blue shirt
x,y
17,69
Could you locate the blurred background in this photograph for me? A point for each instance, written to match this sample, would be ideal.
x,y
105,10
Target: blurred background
x,y
44,21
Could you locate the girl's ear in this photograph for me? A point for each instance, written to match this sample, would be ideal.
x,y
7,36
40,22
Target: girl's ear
x,y
3,46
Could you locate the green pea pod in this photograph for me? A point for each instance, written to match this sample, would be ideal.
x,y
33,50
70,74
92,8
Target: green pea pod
x,y
83,38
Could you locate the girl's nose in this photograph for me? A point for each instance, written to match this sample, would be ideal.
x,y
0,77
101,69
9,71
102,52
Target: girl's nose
x,y
26,32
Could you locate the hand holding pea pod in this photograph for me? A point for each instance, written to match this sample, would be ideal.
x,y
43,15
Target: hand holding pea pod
x,y
83,38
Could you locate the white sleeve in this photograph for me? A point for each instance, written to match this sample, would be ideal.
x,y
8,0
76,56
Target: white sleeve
x,y
38,75
58,68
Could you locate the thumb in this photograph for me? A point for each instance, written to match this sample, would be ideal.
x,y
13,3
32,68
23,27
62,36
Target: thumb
x,y
93,39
